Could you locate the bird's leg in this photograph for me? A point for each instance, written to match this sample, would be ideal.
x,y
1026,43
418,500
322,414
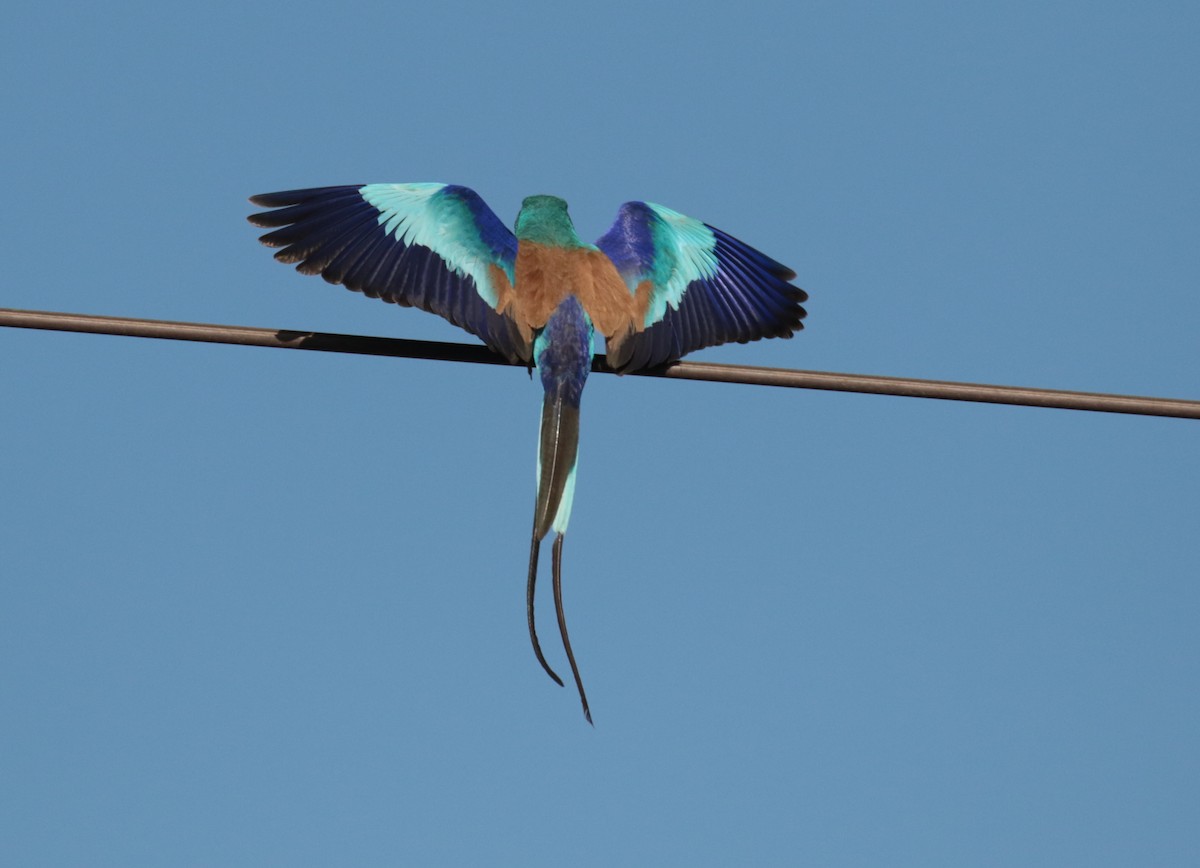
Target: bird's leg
x,y
562,623
529,588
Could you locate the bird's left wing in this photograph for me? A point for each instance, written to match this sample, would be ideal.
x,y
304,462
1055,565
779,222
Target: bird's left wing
x,y
437,247
693,286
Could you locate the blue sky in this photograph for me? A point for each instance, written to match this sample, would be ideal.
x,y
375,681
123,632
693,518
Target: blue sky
x,y
261,607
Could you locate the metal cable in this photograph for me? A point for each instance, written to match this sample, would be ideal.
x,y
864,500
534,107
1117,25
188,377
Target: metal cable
x,y
400,347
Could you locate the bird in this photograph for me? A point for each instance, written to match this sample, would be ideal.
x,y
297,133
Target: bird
x,y
657,286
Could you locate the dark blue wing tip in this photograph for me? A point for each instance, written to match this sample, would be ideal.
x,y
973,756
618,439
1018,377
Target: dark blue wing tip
x,y
295,197
798,296
291,206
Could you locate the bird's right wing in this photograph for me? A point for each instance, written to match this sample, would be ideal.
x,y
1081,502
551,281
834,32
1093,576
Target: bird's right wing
x,y
693,286
437,247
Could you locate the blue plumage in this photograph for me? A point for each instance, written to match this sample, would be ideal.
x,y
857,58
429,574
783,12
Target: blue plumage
x,y
563,351
658,285
385,241
706,287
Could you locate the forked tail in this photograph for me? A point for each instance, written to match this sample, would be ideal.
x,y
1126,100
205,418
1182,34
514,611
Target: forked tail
x,y
564,354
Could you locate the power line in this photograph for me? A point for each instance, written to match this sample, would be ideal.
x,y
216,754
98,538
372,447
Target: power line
x,y
437,350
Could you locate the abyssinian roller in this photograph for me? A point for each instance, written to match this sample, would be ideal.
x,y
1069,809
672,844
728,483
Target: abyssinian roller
x,y
657,285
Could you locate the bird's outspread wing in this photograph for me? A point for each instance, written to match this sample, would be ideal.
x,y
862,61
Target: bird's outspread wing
x,y
438,247
694,286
